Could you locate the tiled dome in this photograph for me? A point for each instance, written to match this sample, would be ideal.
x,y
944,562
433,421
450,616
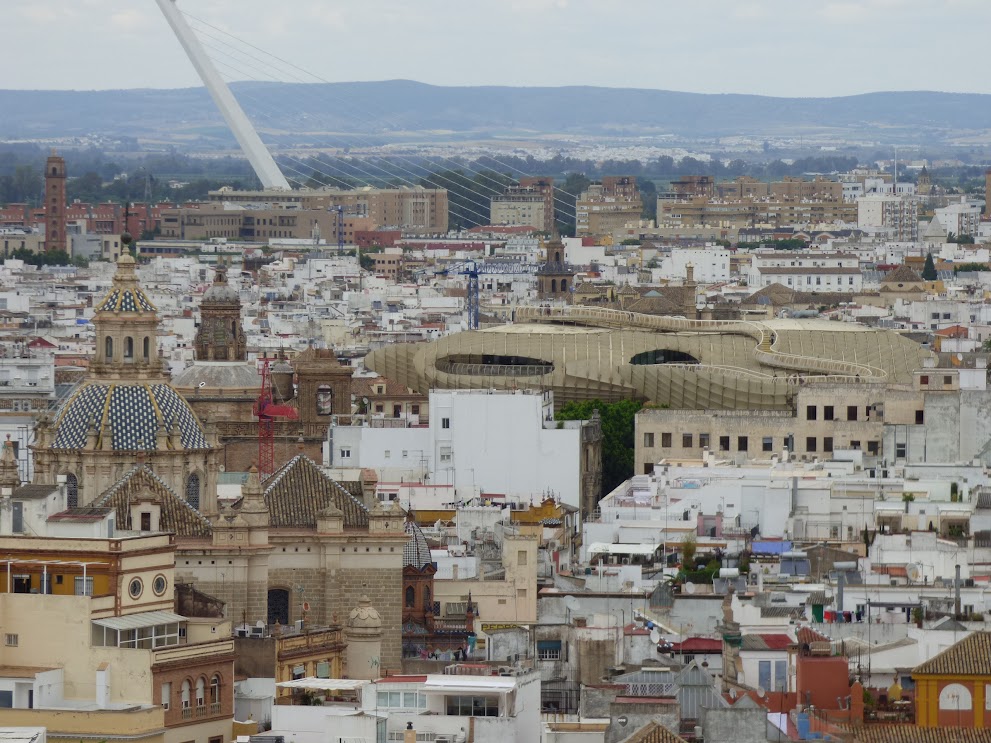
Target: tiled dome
x,y
417,551
221,294
126,296
135,413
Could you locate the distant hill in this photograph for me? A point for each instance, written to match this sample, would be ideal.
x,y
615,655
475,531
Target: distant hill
x,y
389,110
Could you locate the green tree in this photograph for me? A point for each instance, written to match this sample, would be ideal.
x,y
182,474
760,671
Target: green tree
x,y
929,272
617,420
688,549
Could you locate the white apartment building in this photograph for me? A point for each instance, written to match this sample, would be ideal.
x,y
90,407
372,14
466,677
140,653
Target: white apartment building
x,y
504,443
961,219
806,271
710,264
896,214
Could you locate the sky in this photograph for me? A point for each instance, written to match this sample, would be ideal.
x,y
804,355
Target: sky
x,y
807,48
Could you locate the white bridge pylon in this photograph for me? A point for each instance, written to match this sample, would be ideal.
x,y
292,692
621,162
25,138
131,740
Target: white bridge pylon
x,y
258,155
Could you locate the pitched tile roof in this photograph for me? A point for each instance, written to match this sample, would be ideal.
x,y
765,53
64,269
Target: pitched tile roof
x,y
653,732
300,490
766,642
914,734
176,515
969,657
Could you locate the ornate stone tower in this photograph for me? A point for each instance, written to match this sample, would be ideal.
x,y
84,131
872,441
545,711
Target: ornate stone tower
x,y
324,389
364,636
220,336
55,237
555,279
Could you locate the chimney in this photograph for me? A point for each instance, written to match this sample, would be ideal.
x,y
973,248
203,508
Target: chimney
x,y
840,584
409,736
956,594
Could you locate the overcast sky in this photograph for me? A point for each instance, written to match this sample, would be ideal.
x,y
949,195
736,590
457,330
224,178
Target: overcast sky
x,y
769,47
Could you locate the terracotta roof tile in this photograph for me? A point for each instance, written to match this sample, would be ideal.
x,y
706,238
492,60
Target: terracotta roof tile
x,y
653,732
175,514
969,657
914,734
300,490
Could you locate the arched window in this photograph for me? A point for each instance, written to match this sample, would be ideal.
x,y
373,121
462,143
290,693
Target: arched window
x,y
564,285
193,491
108,349
215,690
278,606
955,697
186,688
54,170
325,400
426,598
553,285
128,347
147,347
410,597
557,256
71,491
200,691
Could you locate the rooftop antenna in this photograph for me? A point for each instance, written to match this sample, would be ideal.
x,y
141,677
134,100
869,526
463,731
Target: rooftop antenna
x,y
259,157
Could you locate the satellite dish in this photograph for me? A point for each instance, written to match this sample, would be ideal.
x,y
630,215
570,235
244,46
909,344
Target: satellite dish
x,y
914,572
959,357
689,587
655,636
572,603
761,692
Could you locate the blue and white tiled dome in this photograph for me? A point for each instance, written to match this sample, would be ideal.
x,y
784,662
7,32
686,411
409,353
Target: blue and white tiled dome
x,y
417,551
135,414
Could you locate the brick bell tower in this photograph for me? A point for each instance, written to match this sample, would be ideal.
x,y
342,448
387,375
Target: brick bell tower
x,y
55,222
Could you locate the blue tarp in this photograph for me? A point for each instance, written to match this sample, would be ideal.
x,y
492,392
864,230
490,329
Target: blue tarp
x,y
770,548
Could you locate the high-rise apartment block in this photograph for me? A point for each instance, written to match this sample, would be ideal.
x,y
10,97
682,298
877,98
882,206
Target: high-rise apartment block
x,y
608,207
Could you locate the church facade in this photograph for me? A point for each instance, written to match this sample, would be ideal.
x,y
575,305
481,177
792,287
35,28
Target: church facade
x,y
298,546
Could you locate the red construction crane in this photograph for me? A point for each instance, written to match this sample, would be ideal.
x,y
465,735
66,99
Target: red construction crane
x,y
267,411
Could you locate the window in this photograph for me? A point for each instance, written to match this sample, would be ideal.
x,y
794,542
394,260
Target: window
x,y
145,521
521,593
855,445
71,490
17,516
6,699
686,441
445,454
947,380
445,422
397,411
472,706
764,674
82,586
128,348
780,675
410,597
900,451
827,412
924,379
703,440
159,585
215,690
186,690
134,588
810,443
665,440
10,640
388,453
767,443
742,443
415,409
920,416
345,452
827,444
325,400
108,349
724,443
810,412
166,694
648,440
872,447
193,491
201,692
549,649
379,408
521,557
147,347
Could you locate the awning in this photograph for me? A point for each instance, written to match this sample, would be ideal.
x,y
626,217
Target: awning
x,y
455,684
604,548
324,684
137,621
